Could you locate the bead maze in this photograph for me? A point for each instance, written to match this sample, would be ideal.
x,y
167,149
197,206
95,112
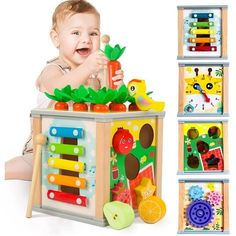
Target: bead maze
x,y
202,31
91,159
203,147
203,89
203,206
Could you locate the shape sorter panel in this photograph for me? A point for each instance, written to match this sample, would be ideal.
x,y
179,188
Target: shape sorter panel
x,y
203,89
203,147
69,166
202,31
203,206
133,157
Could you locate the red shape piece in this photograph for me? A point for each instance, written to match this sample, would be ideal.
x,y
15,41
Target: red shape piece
x,y
122,141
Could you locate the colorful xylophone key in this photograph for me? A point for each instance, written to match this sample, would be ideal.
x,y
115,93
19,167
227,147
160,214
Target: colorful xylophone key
x,y
66,132
67,197
202,15
66,149
202,31
202,40
65,180
203,48
58,163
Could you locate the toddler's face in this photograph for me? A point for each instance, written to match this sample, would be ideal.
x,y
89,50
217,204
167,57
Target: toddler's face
x,y
79,36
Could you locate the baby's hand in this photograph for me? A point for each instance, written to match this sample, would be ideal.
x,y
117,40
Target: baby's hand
x,y
95,62
118,78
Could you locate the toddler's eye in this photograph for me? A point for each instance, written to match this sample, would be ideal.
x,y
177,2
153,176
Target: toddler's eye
x,y
76,33
94,34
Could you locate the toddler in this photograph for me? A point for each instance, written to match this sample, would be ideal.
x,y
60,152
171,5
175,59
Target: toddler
x,y
76,34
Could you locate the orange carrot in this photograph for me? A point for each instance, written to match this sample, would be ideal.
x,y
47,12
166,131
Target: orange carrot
x,y
113,54
63,106
80,107
112,67
117,107
100,108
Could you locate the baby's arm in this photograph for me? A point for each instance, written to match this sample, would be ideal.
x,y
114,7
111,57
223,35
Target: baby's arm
x,y
53,77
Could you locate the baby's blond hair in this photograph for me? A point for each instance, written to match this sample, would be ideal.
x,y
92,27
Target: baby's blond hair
x,y
71,7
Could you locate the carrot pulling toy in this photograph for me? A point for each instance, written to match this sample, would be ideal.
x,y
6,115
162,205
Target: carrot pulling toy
x,y
62,96
113,54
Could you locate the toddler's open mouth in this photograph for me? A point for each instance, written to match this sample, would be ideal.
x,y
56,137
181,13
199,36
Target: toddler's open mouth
x,y
83,51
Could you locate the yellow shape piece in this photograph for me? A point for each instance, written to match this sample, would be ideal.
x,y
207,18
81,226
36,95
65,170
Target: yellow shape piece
x,y
145,189
211,186
152,209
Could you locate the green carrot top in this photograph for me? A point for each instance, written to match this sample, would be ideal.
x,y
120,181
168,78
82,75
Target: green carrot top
x,y
113,53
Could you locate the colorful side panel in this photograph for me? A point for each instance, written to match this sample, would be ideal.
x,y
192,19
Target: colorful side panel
x,y
68,166
203,89
202,206
133,157
203,147
202,32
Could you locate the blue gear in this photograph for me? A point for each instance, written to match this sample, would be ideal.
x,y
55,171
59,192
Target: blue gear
x,y
200,213
195,192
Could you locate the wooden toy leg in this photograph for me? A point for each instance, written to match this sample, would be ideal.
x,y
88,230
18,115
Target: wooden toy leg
x,y
40,140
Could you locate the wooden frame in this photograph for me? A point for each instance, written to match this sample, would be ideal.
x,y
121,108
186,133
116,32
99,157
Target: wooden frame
x,y
186,73
206,186
103,123
37,128
222,40
182,152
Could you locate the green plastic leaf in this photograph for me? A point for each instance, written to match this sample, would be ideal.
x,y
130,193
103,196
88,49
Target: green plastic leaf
x,y
131,99
93,96
115,54
52,97
82,91
58,95
118,47
67,89
122,95
109,96
107,51
122,51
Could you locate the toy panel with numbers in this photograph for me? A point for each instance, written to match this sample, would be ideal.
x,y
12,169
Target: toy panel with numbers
x,y
203,89
204,206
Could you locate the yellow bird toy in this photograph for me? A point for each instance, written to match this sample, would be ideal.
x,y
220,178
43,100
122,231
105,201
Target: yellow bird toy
x,y
137,89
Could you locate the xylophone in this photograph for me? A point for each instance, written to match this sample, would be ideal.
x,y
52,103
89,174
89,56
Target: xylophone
x,y
202,32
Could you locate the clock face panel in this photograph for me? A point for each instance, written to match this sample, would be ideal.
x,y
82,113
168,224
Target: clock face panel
x,y
203,89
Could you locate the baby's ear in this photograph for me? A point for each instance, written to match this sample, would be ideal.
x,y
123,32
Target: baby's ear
x,y
54,38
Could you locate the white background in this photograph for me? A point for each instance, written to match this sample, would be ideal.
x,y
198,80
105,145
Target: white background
x,y
149,30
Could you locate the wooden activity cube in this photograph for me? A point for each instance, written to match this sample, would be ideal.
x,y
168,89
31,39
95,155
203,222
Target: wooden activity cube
x,y
203,206
203,89
93,158
202,31
203,147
